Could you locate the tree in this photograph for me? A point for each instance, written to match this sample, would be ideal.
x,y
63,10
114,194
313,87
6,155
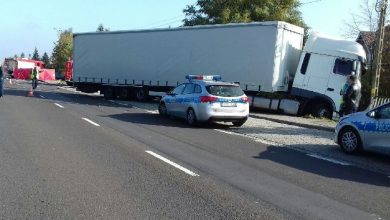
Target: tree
x,y
22,55
46,60
236,11
35,55
366,19
363,26
101,28
62,50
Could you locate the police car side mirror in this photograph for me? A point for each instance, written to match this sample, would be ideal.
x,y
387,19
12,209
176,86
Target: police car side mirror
x,y
171,93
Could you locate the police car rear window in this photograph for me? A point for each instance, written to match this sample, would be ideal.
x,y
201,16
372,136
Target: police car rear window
x,y
225,90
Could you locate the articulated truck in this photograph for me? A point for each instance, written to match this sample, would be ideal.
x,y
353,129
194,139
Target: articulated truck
x,y
267,59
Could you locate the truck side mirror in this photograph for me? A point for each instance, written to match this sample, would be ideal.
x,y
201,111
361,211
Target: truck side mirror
x,y
355,65
374,114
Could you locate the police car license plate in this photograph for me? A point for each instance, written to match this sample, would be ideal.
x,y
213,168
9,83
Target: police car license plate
x,y
228,104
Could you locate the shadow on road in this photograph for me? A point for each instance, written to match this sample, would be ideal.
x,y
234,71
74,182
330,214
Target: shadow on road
x,y
157,120
286,157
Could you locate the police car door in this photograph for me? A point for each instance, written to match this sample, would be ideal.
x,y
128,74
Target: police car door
x,y
379,134
171,100
186,99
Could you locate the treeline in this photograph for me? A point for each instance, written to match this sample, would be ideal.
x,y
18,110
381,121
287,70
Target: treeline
x,y
35,56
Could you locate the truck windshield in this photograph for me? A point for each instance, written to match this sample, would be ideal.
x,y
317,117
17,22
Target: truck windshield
x,y
225,90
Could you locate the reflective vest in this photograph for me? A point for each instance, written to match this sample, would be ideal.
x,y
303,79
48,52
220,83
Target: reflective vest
x,y
342,92
34,73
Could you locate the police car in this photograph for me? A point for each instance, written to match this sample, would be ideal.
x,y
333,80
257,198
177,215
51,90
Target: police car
x,y
369,130
206,99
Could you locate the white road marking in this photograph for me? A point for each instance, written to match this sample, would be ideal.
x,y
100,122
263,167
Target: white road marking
x,y
266,142
172,163
58,105
152,112
277,144
119,103
87,120
329,159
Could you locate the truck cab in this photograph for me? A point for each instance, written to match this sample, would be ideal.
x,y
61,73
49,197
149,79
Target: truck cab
x,y
323,68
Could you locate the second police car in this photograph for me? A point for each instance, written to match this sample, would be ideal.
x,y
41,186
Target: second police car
x,y
206,99
368,130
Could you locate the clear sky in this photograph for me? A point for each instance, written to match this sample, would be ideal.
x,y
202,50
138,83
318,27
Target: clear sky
x,y
26,24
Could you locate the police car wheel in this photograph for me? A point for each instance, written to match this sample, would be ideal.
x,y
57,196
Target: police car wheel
x,y
162,109
349,141
191,117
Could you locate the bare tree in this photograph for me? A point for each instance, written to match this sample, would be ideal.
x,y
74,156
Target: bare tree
x,y
364,20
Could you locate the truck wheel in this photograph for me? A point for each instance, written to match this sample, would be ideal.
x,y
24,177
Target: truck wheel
x,y
322,111
239,123
349,141
141,95
109,93
191,117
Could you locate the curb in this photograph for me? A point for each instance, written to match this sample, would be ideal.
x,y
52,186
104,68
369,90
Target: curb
x,y
318,127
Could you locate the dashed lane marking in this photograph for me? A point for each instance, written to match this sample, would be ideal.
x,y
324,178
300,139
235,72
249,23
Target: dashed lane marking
x,y
172,163
329,159
58,105
91,122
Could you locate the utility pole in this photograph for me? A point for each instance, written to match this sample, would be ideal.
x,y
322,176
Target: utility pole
x,y
381,7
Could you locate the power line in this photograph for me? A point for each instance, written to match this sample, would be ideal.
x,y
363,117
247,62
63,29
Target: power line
x,y
168,23
314,1
161,22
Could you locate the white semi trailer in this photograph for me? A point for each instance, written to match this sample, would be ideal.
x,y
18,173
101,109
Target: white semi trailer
x,y
267,59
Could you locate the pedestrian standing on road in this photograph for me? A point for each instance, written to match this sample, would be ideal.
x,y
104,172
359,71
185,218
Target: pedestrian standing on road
x,y
34,75
1,81
352,96
342,101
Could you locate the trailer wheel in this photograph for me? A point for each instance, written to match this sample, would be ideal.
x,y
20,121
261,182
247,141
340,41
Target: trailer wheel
x,y
141,95
322,110
109,93
124,94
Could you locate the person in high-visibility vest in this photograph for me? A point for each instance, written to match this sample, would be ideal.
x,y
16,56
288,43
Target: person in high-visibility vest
x,y
34,77
352,95
1,81
342,101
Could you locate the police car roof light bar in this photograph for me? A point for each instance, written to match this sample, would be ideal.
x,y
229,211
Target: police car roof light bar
x,y
204,77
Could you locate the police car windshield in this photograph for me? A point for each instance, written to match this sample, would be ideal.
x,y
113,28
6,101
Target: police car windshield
x,y
225,90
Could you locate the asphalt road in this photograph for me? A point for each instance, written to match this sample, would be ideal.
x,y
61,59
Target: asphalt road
x,y
70,156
